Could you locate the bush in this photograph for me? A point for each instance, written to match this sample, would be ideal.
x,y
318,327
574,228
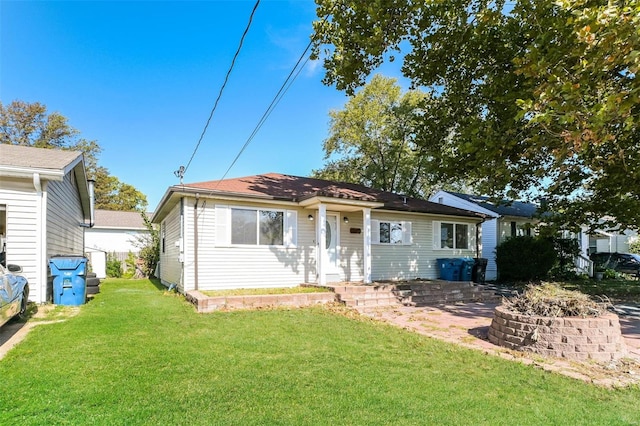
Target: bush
x,y
114,266
130,262
525,258
634,245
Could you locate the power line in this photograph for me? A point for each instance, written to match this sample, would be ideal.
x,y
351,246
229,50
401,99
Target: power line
x,y
276,99
226,78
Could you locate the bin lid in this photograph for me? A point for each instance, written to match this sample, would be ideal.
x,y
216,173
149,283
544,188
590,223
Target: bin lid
x,y
67,262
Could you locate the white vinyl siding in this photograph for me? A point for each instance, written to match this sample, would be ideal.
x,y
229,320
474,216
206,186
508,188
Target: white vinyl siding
x,y
65,235
22,237
222,265
170,266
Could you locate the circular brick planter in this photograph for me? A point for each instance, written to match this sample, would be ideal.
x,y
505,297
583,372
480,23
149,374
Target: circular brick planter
x,y
594,338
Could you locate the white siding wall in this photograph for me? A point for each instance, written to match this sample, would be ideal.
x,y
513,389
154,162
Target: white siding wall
x,y
64,216
351,248
22,236
489,243
222,266
109,240
418,260
170,265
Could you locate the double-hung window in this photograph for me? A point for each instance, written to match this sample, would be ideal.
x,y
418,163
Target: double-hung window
x,y
251,226
261,227
450,235
389,232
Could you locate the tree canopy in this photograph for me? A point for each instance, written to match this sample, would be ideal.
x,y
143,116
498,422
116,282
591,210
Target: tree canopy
x,y
372,141
537,98
29,124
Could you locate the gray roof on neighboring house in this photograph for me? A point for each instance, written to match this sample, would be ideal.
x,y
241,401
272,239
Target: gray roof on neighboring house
x,y
118,219
36,158
503,208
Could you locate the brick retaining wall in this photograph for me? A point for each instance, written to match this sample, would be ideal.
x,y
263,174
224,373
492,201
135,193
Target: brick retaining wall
x,y
205,303
594,338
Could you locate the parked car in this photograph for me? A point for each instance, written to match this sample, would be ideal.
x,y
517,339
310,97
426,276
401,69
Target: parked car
x,y
14,292
626,263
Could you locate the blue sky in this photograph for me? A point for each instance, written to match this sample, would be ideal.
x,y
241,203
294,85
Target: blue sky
x,y
141,78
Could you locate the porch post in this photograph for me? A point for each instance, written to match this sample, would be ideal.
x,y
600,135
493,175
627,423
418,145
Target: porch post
x,y
322,244
366,244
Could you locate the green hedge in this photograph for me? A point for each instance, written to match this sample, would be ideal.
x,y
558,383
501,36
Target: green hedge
x,y
525,258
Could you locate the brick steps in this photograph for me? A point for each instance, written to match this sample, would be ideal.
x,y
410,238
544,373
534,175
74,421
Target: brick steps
x,y
443,292
369,297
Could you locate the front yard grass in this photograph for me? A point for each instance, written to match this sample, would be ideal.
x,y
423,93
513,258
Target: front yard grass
x,y
139,355
617,290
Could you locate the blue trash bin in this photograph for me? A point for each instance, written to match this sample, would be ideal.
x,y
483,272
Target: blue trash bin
x,y
69,279
466,269
449,269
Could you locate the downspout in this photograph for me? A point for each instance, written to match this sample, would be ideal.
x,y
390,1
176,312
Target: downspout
x,y
41,238
195,243
181,244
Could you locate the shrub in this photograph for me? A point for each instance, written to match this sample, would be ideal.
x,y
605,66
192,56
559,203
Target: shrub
x,y
525,258
566,250
149,248
114,266
634,245
130,262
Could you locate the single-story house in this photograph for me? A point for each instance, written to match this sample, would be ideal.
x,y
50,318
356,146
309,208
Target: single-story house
x,y
116,232
45,206
276,230
504,220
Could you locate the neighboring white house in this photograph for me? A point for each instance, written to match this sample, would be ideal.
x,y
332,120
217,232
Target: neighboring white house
x,y
503,220
45,205
113,232
276,230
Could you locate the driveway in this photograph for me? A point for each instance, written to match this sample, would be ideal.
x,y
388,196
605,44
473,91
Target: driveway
x,y
468,325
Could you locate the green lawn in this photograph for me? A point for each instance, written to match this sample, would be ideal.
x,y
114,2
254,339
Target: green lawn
x,y
136,355
617,290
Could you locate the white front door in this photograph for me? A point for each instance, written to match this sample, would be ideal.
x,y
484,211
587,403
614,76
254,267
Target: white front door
x,y
331,244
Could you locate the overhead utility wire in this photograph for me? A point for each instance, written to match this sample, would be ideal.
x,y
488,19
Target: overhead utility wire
x,y
283,89
226,78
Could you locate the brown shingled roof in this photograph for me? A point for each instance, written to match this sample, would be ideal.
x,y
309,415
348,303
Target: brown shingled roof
x,y
118,219
40,158
295,188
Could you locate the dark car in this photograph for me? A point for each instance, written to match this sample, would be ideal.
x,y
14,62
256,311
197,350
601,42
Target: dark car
x,y
14,293
626,263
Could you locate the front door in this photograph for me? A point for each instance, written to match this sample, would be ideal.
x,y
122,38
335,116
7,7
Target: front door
x,y
331,244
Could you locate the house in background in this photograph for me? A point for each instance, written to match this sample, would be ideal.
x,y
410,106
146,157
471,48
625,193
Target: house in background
x,y
45,206
504,220
116,232
277,230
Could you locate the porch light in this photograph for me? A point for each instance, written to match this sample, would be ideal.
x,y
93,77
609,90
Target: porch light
x,y
345,219
310,217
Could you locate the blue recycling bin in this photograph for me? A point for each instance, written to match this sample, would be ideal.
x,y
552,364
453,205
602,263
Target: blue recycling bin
x,y
69,280
466,269
450,269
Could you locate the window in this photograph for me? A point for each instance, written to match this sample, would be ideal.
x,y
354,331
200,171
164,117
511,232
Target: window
x,y
383,232
262,227
451,235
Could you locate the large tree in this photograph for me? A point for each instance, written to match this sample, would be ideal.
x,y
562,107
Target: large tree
x,y
29,124
538,98
372,141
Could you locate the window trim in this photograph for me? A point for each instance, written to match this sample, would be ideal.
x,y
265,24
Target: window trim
x,y
406,232
437,235
224,227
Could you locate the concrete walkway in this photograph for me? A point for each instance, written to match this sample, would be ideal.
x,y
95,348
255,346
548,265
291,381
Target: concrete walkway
x,y
468,325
